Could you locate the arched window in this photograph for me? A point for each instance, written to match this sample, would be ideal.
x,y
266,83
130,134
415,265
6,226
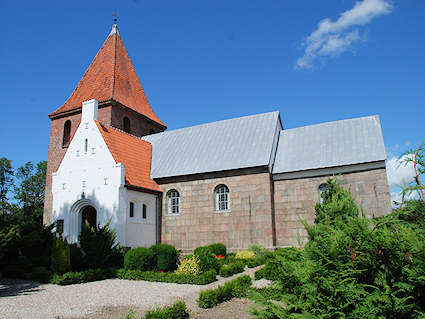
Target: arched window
x,y
222,198
173,199
323,189
126,124
145,211
131,209
151,131
66,134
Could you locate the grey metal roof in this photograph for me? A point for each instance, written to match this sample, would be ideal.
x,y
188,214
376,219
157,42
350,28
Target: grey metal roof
x,y
330,144
231,144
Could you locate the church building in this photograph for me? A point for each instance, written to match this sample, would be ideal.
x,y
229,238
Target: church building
x,y
241,181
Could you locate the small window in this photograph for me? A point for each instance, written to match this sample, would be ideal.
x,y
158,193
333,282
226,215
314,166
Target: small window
x,y
173,202
59,226
222,198
131,209
86,145
126,124
144,213
151,131
66,134
323,189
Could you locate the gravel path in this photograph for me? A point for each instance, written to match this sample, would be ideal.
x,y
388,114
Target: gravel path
x,y
111,298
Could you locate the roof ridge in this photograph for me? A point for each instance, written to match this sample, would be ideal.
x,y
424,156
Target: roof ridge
x,y
336,121
213,123
120,130
114,61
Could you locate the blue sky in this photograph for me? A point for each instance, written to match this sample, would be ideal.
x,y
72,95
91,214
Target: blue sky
x,y
202,61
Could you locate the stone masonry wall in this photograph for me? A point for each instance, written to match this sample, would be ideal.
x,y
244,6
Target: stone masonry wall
x,y
295,199
247,223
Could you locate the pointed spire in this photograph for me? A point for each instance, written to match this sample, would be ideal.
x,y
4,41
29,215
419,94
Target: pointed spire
x,y
110,76
114,29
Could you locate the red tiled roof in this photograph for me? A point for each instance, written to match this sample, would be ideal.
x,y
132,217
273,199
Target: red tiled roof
x,y
134,153
111,76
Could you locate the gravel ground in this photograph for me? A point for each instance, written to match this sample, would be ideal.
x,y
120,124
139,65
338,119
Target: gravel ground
x,y
111,298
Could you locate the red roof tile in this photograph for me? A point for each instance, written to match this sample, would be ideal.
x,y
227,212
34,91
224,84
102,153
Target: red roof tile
x,y
134,153
111,76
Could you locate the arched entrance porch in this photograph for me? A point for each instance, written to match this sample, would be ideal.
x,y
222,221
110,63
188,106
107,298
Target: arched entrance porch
x,y
82,211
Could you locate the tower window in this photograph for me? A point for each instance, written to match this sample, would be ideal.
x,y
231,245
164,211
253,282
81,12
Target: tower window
x,y
126,124
222,198
86,144
66,133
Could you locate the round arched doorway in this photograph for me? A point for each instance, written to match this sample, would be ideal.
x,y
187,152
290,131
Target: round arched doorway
x,y
88,215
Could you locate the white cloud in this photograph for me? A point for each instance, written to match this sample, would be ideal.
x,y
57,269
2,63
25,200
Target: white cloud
x,y
399,174
330,39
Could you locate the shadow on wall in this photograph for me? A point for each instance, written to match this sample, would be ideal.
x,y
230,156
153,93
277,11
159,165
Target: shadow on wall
x,y
73,211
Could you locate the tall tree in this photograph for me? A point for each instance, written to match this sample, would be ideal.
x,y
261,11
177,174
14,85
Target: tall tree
x,y
30,193
6,182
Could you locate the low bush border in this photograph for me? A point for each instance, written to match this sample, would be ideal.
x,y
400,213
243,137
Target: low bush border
x,y
80,277
201,279
232,269
177,311
235,288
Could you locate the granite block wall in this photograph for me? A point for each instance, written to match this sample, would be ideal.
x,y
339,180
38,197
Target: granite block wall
x,y
296,198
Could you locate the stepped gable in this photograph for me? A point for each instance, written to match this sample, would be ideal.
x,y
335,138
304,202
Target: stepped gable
x,y
110,77
134,153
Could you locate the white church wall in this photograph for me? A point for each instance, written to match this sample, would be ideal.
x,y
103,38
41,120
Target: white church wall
x,y
141,231
88,175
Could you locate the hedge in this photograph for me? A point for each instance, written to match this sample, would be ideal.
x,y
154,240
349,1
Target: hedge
x,y
232,269
89,275
176,311
201,279
235,288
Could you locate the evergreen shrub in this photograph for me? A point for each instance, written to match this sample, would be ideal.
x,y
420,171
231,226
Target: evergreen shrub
x,y
177,311
207,259
77,257
43,276
139,258
351,267
236,288
218,249
259,274
231,269
166,257
99,247
260,251
60,260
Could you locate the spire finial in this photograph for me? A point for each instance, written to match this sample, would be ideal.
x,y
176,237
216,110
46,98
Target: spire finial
x,y
115,16
115,27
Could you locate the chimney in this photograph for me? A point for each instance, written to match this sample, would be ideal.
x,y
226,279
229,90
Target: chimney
x,y
89,110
